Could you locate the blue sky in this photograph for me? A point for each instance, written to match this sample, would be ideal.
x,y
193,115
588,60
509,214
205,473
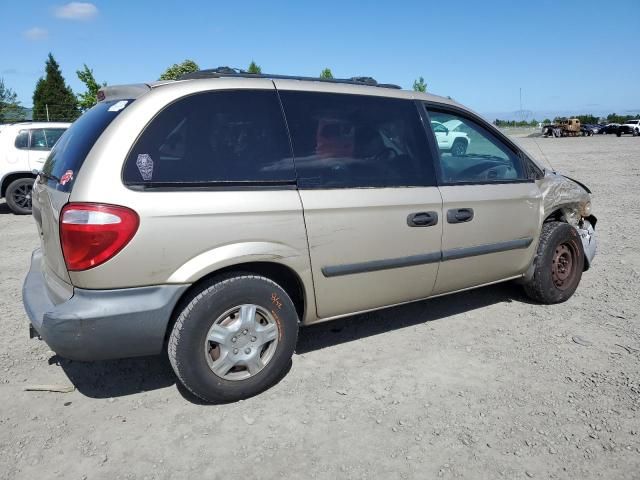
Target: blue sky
x,y
576,56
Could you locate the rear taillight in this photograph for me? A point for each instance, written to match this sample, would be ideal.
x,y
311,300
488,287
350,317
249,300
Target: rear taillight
x,y
92,233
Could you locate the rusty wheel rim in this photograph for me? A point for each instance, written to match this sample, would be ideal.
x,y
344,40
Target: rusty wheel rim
x,y
563,266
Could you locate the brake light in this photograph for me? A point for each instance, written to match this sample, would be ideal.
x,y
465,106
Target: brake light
x,y
92,233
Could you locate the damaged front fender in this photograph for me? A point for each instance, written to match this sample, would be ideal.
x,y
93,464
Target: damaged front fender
x,y
568,200
561,193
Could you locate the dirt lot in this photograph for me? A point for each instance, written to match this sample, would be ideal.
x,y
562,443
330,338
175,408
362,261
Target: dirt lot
x,y
482,384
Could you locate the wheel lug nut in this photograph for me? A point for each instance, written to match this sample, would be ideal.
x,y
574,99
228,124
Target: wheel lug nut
x,y
234,339
247,351
235,350
245,331
253,339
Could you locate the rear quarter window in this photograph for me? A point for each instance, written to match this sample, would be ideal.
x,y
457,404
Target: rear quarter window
x,y
216,138
71,149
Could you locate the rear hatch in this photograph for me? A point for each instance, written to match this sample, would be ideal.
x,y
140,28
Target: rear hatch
x,y
54,185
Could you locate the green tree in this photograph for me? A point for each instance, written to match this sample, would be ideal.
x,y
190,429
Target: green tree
x,y
89,98
10,109
176,70
254,68
326,73
547,121
419,85
53,99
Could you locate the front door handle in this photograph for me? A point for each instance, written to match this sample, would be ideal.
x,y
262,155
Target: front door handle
x,y
422,219
460,215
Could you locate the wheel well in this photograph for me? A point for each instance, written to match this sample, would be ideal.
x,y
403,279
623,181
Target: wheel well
x,y
282,275
10,178
555,216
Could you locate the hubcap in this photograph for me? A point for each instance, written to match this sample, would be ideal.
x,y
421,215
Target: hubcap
x,y
562,268
22,196
241,342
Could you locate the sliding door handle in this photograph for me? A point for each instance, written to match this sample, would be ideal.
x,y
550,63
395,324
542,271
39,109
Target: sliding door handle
x,y
460,215
422,219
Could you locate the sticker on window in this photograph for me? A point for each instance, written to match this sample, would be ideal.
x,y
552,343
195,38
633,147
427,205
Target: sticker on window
x,y
116,107
67,177
145,166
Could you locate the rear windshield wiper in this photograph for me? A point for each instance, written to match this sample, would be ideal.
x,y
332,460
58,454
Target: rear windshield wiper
x,y
46,175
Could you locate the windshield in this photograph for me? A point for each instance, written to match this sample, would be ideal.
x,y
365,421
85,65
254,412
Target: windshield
x,y
68,154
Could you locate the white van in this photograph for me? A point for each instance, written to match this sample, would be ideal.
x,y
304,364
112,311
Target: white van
x,y
24,147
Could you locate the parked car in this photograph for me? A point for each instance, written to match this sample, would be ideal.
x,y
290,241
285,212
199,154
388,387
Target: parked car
x,y
610,128
449,139
630,127
587,130
23,148
215,215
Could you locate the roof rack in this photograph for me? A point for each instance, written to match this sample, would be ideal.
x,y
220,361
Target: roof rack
x,y
226,72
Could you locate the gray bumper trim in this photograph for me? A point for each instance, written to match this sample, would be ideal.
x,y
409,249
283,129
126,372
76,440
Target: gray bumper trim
x,y
100,324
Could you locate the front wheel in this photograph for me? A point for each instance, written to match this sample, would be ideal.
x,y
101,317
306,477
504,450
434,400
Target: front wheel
x,y
18,196
234,339
459,148
558,265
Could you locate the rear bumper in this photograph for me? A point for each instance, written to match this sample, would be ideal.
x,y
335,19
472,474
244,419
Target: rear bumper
x,y
100,324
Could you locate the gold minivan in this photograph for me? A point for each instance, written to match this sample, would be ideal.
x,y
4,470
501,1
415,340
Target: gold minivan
x,y
212,216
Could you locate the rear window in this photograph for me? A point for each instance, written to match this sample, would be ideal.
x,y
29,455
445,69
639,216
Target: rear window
x,y
68,154
220,138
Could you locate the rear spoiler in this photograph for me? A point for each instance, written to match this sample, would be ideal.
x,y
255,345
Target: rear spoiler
x,y
123,92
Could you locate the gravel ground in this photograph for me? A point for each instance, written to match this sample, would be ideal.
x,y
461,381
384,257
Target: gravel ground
x,y
482,384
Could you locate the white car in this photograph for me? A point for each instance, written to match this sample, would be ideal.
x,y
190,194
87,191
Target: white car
x,y
24,147
450,140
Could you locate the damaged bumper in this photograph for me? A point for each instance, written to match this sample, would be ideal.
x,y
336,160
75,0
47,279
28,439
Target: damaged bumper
x,y
99,324
588,236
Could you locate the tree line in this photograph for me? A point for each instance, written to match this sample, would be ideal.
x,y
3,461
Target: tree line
x,y
54,100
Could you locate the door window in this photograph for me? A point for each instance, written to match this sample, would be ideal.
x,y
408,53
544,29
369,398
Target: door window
x,y
351,141
22,140
471,154
227,137
45,138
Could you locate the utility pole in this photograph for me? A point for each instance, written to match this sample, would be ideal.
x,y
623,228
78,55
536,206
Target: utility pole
x,y
46,106
521,112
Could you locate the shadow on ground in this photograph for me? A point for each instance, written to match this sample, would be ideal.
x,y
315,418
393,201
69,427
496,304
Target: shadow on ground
x,y
4,208
118,378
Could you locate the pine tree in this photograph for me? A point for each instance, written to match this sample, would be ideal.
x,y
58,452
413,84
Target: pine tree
x,y
254,68
52,94
326,73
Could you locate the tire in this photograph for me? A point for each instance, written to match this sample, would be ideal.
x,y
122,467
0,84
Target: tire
x,y
18,196
558,266
618,134
239,340
458,148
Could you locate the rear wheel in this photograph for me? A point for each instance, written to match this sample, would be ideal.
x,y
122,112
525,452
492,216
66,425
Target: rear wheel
x,y
559,264
18,196
234,339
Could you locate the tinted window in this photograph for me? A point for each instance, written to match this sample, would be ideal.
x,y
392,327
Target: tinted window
x,y
471,154
22,140
70,151
225,136
45,138
344,141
